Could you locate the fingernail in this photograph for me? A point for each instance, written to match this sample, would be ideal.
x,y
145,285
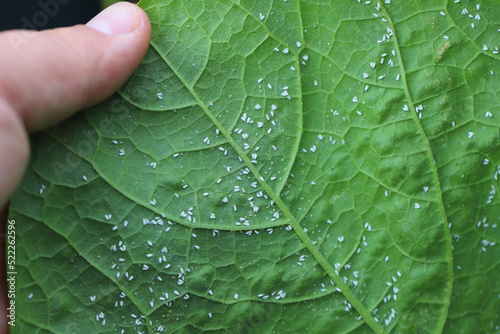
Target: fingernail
x,y
118,19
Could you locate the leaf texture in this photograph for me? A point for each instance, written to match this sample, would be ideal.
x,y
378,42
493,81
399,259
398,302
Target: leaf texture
x,y
275,167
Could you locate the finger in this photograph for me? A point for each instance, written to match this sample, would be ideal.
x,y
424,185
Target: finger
x,y
13,150
46,76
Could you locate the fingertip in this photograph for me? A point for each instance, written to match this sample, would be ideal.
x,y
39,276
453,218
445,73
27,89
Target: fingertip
x,y
119,19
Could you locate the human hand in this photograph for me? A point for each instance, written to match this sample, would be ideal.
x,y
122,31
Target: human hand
x,y
47,76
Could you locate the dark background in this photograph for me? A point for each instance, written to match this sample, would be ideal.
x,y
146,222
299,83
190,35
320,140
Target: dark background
x,y
46,14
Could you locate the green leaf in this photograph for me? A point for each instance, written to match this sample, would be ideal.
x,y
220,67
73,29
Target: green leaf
x,y
274,167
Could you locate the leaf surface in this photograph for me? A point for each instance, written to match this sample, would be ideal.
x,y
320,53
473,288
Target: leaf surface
x,y
276,166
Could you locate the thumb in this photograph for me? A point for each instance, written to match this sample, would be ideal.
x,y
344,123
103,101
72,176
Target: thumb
x,y
47,76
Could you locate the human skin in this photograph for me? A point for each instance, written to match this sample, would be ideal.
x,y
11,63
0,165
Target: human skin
x,y
47,76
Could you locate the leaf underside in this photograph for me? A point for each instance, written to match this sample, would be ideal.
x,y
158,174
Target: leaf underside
x,y
276,166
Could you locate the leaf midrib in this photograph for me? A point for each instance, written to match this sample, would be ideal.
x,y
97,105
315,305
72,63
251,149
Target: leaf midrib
x,y
435,176
293,53
344,289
